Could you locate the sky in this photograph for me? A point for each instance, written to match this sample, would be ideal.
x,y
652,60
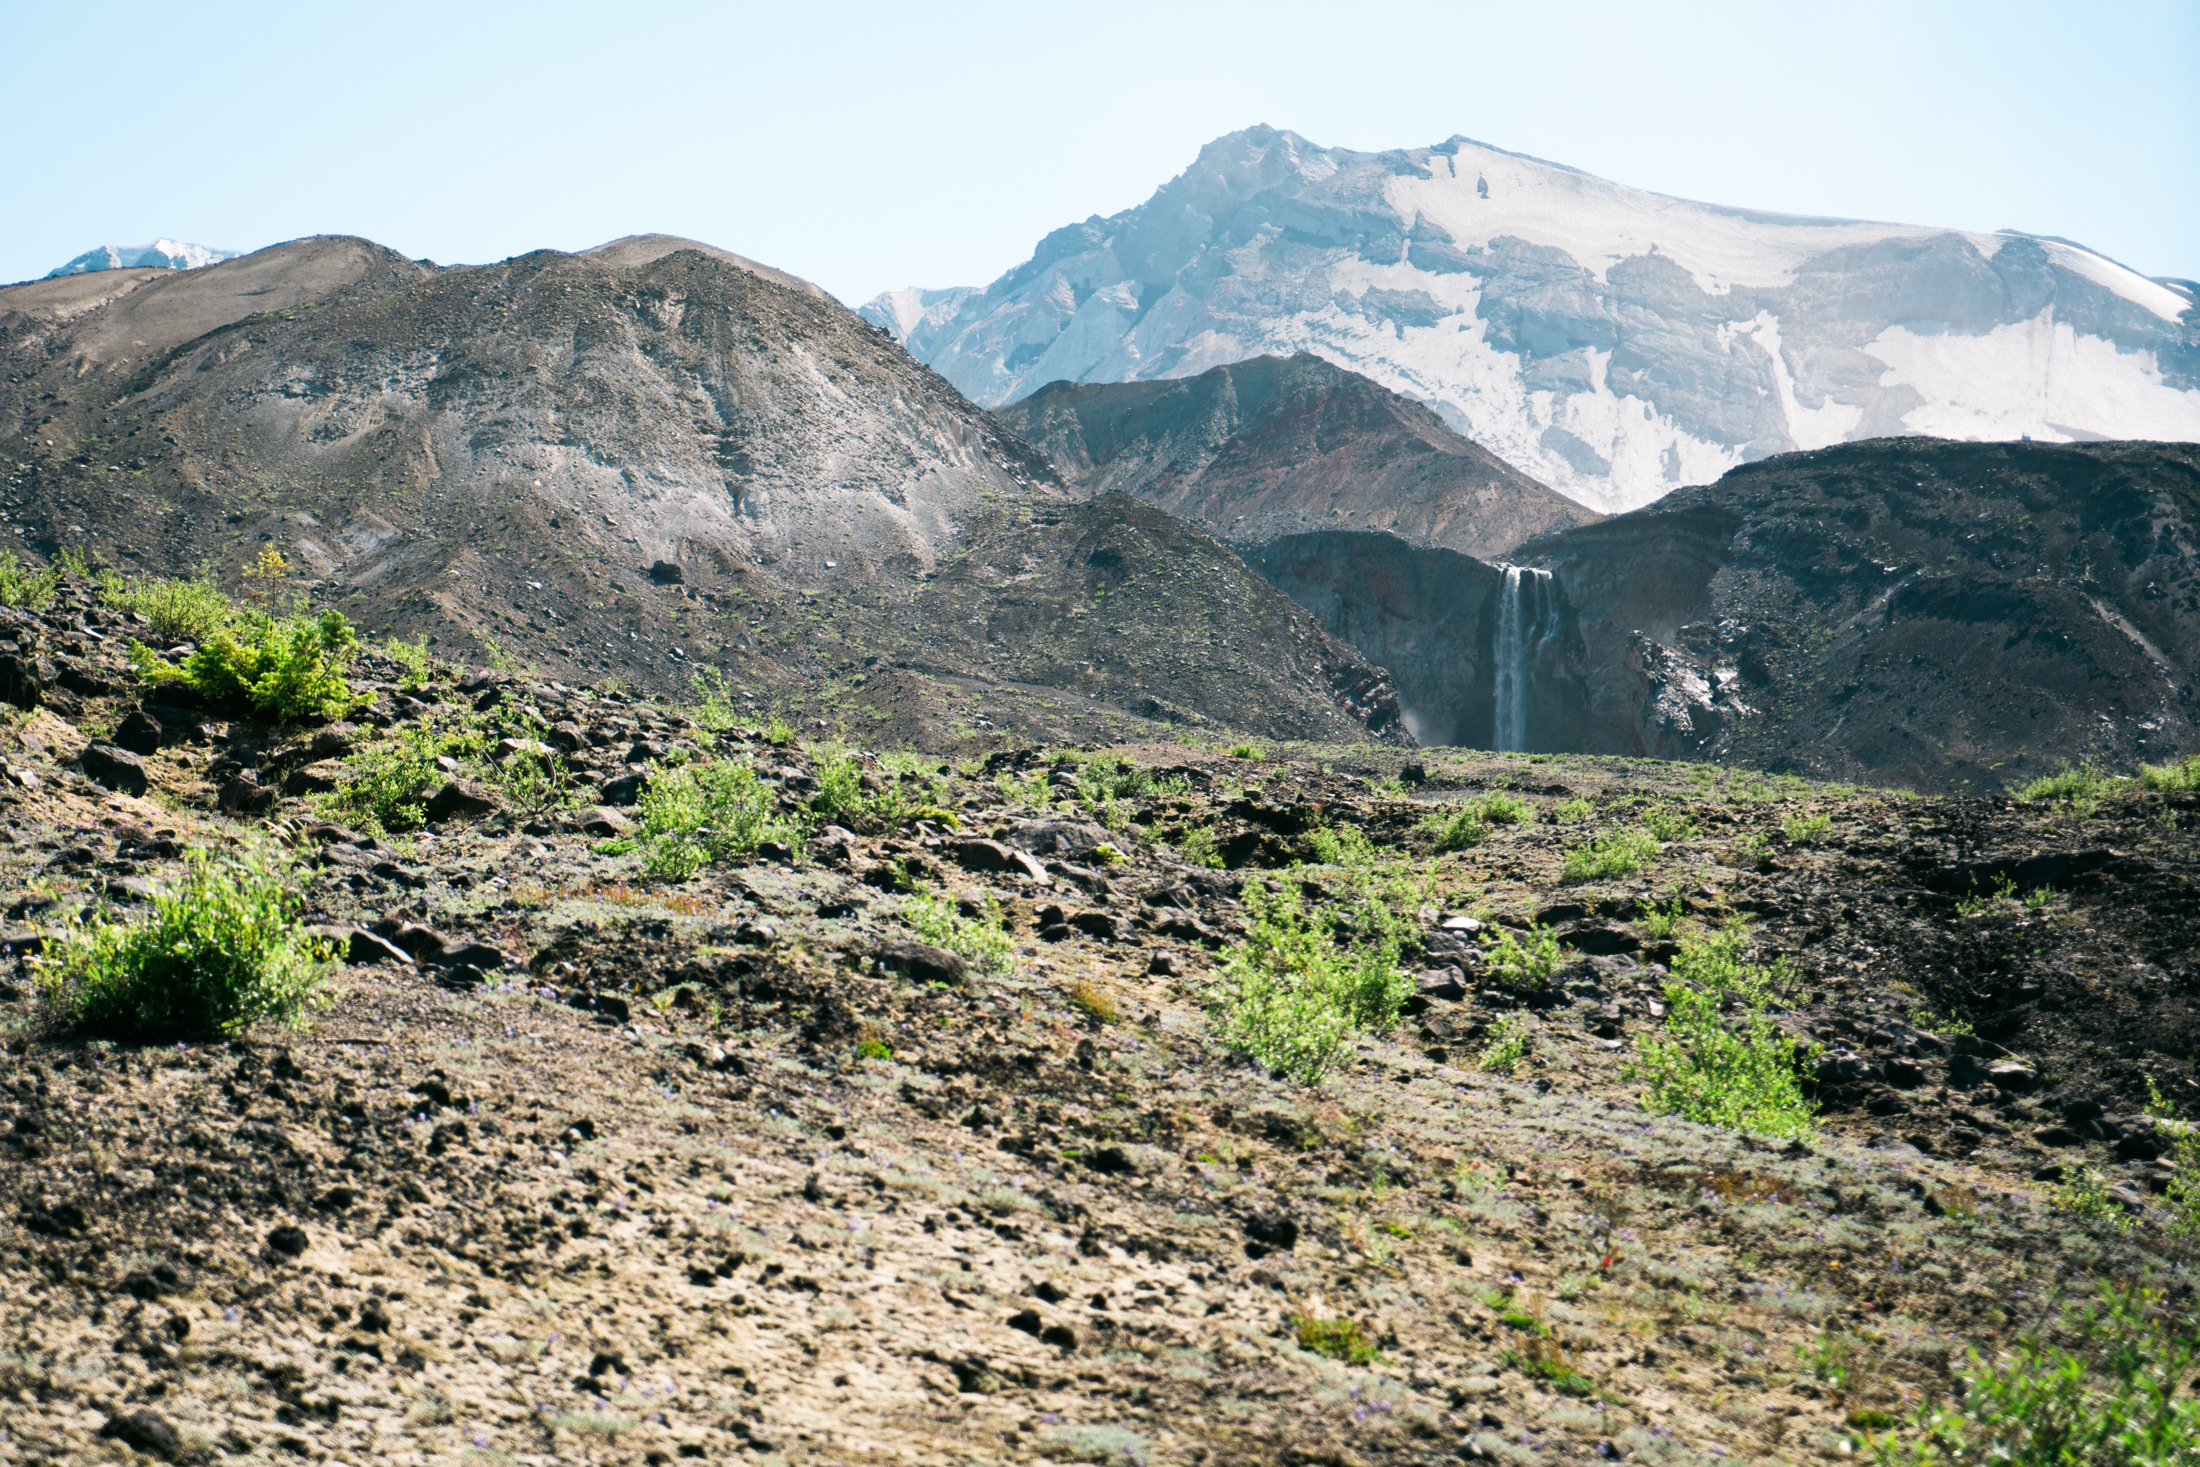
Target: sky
x,y
872,146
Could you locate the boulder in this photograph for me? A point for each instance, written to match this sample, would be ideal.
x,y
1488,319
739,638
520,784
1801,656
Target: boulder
x,y
144,1431
20,683
460,800
117,769
921,962
625,790
991,855
314,779
602,820
665,573
140,733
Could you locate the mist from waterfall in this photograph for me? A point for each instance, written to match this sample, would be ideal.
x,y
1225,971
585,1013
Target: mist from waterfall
x,y
1527,619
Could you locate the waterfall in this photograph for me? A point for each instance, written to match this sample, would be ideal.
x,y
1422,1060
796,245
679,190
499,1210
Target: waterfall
x,y
1527,619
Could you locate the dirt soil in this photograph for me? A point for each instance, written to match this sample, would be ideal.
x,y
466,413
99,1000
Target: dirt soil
x,y
578,1167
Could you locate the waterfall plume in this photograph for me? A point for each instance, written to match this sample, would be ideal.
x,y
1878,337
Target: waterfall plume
x,y
1527,619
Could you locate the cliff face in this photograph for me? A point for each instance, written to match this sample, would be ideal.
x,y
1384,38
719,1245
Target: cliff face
x,y
1280,446
1945,615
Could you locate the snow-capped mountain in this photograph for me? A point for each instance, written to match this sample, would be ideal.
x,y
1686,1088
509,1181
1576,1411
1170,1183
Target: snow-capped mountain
x,y
1611,342
165,254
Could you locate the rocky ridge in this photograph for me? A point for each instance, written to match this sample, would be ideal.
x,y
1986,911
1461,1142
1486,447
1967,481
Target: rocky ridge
x,y
644,461
1271,447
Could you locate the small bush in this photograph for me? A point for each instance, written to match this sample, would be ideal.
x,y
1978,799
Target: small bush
x,y
1521,964
2076,789
1806,830
1293,995
2112,1394
1096,1002
1507,1047
1609,857
1573,811
221,949
286,670
1459,830
1244,751
1500,808
1339,1339
1663,922
707,815
1664,823
414,658
2183,775
23,585
1199,848
393,776
1736,1071
180,609
1341,845
979,939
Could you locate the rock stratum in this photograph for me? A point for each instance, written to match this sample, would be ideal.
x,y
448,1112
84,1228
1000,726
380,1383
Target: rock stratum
x,y
1613,343
640,461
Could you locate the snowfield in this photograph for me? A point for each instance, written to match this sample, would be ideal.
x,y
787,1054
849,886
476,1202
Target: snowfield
x,y
1613,342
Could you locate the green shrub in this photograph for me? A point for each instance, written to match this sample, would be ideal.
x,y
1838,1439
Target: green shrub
x,y
1569,812
2076,789
1339,1339
1507,1047
1199,847
1665,823
23,585
1462,828
979,939
1341,845
180,609
393,776
1738,1070
2111,1395
1663,922
221,949
1521,965
1609,857
707,815
285,670
1244,751
1470,824
1295,996
2183,775
414,658
1806,830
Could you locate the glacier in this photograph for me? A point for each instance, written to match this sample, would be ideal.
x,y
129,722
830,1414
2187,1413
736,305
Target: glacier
x,y
1612,342
164,254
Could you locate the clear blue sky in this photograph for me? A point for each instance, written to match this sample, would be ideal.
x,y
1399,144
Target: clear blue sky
x,y
868,146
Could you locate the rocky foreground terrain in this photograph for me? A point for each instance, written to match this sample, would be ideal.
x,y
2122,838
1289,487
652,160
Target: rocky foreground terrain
x,y
907,1137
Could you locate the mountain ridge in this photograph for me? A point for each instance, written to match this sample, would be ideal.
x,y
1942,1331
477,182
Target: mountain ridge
x,y
1610,342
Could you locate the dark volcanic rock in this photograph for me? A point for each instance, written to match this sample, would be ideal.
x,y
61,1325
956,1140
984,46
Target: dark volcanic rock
x,y
118,769
1275,446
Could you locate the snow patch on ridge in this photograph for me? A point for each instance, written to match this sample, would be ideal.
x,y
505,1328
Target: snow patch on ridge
x,y
2075,380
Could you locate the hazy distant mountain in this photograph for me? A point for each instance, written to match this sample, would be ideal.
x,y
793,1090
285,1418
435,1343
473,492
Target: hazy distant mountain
x,y
1611,342
164,254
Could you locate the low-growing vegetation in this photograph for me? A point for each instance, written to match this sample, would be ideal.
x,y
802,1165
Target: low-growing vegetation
x,y
221,948
1719,1057
1302,987
1609,857
708,814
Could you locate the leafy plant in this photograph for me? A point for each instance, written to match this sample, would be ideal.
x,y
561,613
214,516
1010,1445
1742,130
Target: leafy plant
x,y
1301,987
707,815
1508,1045
180,609
2182,775
2111,1395
286,669
1244,751
1521,964
1339,1339
23,585
1199,847
393,776
1341,845
1568,812
413,657
1662,922
1607,858
1664,823
1806,830
1097,1003
1737,1071
2076,789
1459,830
981,939
222,948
